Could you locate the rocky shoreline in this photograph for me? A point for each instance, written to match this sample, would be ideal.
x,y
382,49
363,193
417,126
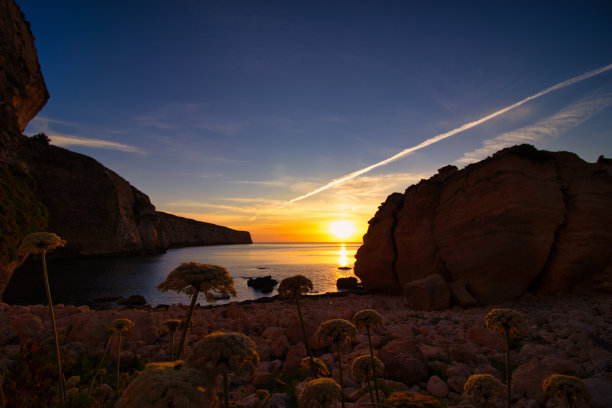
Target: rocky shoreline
x,y
430,352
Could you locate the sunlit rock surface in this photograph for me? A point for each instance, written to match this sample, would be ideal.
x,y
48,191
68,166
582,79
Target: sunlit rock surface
x,y
521,220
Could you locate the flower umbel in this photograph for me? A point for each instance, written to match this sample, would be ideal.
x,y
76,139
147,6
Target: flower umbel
x,y
294,286
319,393
37,242
484,386
319,366
224,351
193,277
336,330
361,368
566,386
501,319
367,318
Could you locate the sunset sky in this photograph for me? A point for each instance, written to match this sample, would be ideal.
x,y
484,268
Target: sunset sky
x,y
237,112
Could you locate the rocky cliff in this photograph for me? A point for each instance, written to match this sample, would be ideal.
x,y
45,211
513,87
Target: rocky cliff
x,y
522,220
99,213
45,187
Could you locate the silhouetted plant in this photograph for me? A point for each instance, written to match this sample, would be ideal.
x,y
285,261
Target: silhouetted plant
x,y
369,319
407,399
567,387
109,333
363,368
169,384
507,322
192,278
293,287
484,387
337,331
320,393
41,242
41,138
120,326
223,352
172,325
319,366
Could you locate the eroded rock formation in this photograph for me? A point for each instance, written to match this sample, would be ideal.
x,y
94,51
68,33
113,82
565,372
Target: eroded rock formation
x,y
46,187
521,220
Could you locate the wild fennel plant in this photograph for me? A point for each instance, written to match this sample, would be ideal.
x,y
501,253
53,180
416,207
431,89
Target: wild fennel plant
x,y
292,288
337,331
223,352
369,319
41,242
507,322
192,278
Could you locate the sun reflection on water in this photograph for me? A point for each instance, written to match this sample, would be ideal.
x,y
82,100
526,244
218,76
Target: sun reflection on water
x,y
343,256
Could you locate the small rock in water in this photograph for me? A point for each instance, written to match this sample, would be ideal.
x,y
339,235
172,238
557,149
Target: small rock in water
x,y
134,300
264,284
347,283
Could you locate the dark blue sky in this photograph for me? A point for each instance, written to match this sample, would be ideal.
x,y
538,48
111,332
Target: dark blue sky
x,y
222,110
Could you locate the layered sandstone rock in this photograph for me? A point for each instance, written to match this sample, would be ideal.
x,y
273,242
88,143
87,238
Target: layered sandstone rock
x,y
521,220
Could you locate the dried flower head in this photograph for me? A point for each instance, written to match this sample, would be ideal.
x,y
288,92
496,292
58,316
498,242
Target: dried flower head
x,y
172,324
169,385
319,393
193,277
319,366
336,330
120,325
221,351
367,318
407,399
484,386
361,368
501,319
38,242
566,386
294,286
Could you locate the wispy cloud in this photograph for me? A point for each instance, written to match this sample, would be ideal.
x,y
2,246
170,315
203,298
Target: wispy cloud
x,y
545,129
272,183
67,140
448,134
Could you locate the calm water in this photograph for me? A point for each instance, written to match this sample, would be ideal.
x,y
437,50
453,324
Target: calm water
x,y
81,281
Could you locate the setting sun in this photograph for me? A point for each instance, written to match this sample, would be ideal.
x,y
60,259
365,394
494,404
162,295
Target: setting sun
x,y
342,229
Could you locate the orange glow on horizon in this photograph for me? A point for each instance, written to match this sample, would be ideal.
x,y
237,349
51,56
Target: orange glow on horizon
x,y
309,230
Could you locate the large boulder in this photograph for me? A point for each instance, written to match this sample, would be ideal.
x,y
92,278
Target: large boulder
x,y
429,293
521,220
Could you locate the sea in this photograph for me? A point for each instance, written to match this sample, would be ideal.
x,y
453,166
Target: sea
x,y
81,281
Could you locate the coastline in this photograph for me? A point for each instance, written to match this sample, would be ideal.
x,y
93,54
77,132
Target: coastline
x,y
570,334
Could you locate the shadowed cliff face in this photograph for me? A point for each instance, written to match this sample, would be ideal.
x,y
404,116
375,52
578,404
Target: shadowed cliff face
x,y
99,213
95,210
521,220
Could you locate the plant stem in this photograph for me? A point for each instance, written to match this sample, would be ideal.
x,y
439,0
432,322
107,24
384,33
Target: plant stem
x,y
57,350
369,388
373,365
172,345
179,354
100,365
118,360
308,350
340,369
225,390
508,379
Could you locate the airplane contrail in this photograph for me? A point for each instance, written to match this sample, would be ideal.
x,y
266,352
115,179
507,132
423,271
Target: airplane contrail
x,y
450,133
